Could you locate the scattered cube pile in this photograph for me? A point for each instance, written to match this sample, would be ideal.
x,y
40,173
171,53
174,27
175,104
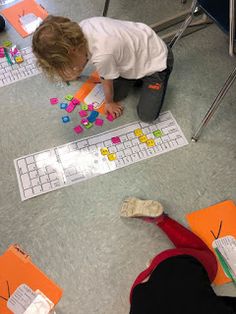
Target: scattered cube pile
x,y
88,115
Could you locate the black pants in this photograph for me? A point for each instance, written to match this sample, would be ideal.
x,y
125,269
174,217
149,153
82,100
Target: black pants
x,y
179,285
152,92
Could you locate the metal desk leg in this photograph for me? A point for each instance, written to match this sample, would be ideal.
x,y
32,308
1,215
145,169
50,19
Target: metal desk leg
x,y
184,25
215,104
105,9
231,26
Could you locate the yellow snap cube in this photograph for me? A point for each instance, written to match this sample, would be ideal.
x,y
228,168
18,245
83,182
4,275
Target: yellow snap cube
x,y
138,132
104,151
19,59
151,143
143,139
112,157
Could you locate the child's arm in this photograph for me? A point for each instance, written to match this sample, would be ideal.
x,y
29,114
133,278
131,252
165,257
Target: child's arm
x,y
114,108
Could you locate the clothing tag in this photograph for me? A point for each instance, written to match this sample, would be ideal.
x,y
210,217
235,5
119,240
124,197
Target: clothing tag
x,y
21,299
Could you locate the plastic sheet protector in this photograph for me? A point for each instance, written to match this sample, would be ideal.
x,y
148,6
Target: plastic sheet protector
x,y
85,158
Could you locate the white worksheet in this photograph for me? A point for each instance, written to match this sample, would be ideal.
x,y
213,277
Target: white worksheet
x,y
96,96
85,158
227,247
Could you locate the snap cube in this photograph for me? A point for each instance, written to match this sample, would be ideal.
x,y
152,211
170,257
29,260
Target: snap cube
x,y
110,117
69,97
93,115
104,151
138,132
99,122
19,59
88,126
78,129
75,101
54,101
84,107
90,107
150,143
158,133
63,105
112,157
65,119
115,140
143,139
70,107
83,113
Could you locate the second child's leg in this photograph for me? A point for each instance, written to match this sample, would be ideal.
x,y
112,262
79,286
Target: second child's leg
x,y
179,235
188,243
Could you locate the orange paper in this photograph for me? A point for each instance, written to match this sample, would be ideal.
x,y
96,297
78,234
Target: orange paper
x,y
15,12
86,88
206,224
16,268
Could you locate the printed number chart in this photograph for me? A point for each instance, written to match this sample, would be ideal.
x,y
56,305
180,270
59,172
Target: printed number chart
x,y
85,158
96,96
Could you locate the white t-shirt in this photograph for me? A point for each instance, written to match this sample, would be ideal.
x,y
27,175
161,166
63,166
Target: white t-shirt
x,y
120,48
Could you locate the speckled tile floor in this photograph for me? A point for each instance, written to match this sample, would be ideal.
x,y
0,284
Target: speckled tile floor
x,y
75,234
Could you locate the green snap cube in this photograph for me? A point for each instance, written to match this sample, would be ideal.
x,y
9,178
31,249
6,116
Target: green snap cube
x,y
158,133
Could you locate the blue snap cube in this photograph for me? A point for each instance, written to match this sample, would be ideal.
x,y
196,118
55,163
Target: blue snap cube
x,y
63,105
65,119
93,115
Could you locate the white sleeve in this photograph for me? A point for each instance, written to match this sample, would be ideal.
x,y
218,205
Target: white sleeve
x,y
106,67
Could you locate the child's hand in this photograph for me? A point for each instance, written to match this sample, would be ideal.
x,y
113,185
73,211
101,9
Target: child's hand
x,y
114,108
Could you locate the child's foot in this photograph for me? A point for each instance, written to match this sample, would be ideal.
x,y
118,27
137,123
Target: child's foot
x,y
148,210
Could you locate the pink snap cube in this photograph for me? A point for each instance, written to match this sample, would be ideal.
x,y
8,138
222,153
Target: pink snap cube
x,y
54,101
2,53
110,117
83,113
85,121
70,107
90,107
99,122
75,101
115,140
78,129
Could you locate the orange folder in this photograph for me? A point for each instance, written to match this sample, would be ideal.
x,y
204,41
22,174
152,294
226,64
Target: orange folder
x,y
13,14
87,87
215,221
16,268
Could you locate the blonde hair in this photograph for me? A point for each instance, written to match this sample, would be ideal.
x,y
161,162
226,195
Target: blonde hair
x,y
53,41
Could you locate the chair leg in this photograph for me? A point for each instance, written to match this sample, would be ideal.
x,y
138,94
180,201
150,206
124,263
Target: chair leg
x,y
184,25
215,104
105,9
231,27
